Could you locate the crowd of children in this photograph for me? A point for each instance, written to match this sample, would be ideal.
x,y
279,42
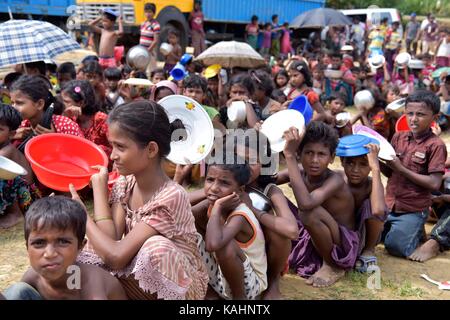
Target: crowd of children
x,y
151,238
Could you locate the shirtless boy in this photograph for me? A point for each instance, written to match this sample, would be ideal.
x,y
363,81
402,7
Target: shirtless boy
x,y
327,244
54,232
108,38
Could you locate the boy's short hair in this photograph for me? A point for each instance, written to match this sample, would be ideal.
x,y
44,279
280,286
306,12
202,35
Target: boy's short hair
x,y
159,70
88,59
112,74
67,67
320,132
10,117
109,16
336,95
57,212
150,7
39,65
10,78
93,67
174,32
429,98
277,93
236,165
336,55
195,81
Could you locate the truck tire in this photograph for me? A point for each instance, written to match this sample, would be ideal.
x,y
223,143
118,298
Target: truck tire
x,y
171,17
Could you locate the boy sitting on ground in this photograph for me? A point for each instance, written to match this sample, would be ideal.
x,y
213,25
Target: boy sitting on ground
x,y
234,245
327,244
54,232
370,207
412,175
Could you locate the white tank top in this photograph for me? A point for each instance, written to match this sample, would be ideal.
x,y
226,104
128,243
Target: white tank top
x,y
255,248
444,49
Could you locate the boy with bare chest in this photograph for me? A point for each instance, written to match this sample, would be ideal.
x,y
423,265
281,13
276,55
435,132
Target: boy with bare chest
x,y
327,243
108,38
54,231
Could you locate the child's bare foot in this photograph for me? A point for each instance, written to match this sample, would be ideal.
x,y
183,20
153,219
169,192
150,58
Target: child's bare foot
x,y
10,219
272,293
426,251
327,275
310,280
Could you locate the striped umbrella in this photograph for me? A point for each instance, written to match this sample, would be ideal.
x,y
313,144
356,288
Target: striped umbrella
x,y
23,41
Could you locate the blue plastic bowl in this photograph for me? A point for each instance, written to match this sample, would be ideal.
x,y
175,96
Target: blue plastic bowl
x,y
353,145
178,72
185,59
302,105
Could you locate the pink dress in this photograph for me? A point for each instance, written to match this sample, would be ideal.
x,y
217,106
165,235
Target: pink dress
x,y
168,264
286,42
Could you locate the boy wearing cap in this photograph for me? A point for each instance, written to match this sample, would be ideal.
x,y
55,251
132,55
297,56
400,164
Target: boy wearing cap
x,y
109,36
415,171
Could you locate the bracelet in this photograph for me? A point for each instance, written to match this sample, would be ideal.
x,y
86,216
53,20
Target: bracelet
x,y
102,218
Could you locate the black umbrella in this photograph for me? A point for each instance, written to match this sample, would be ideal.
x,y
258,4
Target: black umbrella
x,y
319,18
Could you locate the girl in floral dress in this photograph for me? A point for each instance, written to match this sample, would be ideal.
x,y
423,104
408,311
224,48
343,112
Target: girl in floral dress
x,y
145,234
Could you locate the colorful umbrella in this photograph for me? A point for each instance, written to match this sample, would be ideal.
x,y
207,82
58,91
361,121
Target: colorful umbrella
x,y
23,41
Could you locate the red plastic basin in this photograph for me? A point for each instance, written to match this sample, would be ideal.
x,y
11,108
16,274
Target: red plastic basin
x,y
402,124
60,159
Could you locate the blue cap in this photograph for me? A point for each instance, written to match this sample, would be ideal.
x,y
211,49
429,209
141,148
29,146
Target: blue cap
x,y
354,145
111,12
413,14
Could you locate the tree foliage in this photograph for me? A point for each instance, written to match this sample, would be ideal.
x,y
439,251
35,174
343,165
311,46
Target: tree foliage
x,y
421,7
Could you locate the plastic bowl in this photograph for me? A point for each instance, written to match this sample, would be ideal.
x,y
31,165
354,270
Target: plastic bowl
x,y
236,112
353,145
60,159
333,74
10,169
302,105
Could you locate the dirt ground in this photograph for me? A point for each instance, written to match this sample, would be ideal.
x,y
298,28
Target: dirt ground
x,y
400,278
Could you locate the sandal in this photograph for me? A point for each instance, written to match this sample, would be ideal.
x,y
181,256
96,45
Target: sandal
x,y
365,261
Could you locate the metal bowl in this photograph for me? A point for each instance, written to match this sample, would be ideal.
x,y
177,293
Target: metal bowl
x,y
138,57
333,74
165,48
259,200
397,106
364,100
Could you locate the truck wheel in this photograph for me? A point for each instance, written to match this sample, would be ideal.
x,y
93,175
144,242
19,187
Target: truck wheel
x,y
172,18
